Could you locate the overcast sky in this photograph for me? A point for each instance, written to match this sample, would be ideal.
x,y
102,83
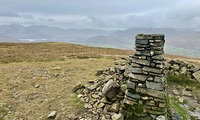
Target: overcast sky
x,y
103,14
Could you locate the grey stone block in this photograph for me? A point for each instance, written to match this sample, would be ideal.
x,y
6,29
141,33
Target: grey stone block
x,y
140,41
153,85
153,70
141,62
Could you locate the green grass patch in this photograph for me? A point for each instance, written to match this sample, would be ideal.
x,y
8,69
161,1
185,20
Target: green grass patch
x,y
182,80
183,113
192,108
75,104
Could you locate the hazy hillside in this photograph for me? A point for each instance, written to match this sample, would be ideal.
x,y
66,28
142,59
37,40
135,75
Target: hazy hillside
x,y
111,42
181,42
41,33
178,41
190,41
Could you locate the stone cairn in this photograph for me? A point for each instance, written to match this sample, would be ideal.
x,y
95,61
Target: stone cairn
x,y
134,88
146,87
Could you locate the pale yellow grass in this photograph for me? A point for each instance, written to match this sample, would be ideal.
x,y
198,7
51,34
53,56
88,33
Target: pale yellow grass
x,y
55,80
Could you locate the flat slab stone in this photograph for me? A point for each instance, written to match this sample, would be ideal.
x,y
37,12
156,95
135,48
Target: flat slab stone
x,y
141,62
134,96
141,41
158,57
151,92
152,70
153,85
160,79
143,53
136,70
138,77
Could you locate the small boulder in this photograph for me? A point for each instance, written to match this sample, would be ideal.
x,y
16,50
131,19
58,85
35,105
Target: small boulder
x,y
117,117
180,99
99,72
175,92
88,106
52,115
110,89
183,70
115,107
78,87
175,67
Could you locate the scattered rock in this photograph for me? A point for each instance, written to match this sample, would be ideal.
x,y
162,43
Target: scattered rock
x,y
175,67
186,93
36,86
78,87
180,99
175,92
99,72
101,105
188,89
91,81
72,117
115,107
117,117
183,70
123,88
95,96
52,115
87,106
95,85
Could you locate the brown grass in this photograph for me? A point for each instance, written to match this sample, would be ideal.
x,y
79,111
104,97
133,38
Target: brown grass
x,y
17,52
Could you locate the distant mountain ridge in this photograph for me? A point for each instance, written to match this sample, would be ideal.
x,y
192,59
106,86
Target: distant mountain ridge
x,y
46,32
178,41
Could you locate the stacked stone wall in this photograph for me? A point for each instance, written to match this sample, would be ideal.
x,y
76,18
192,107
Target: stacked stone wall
x,y
146,86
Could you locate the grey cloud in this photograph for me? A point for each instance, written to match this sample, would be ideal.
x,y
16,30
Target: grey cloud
x,y
51,20
27,16
183,14
108,13
82,7
4,13
46,19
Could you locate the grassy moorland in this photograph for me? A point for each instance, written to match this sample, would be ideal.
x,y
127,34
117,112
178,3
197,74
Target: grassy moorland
x,y
37,78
